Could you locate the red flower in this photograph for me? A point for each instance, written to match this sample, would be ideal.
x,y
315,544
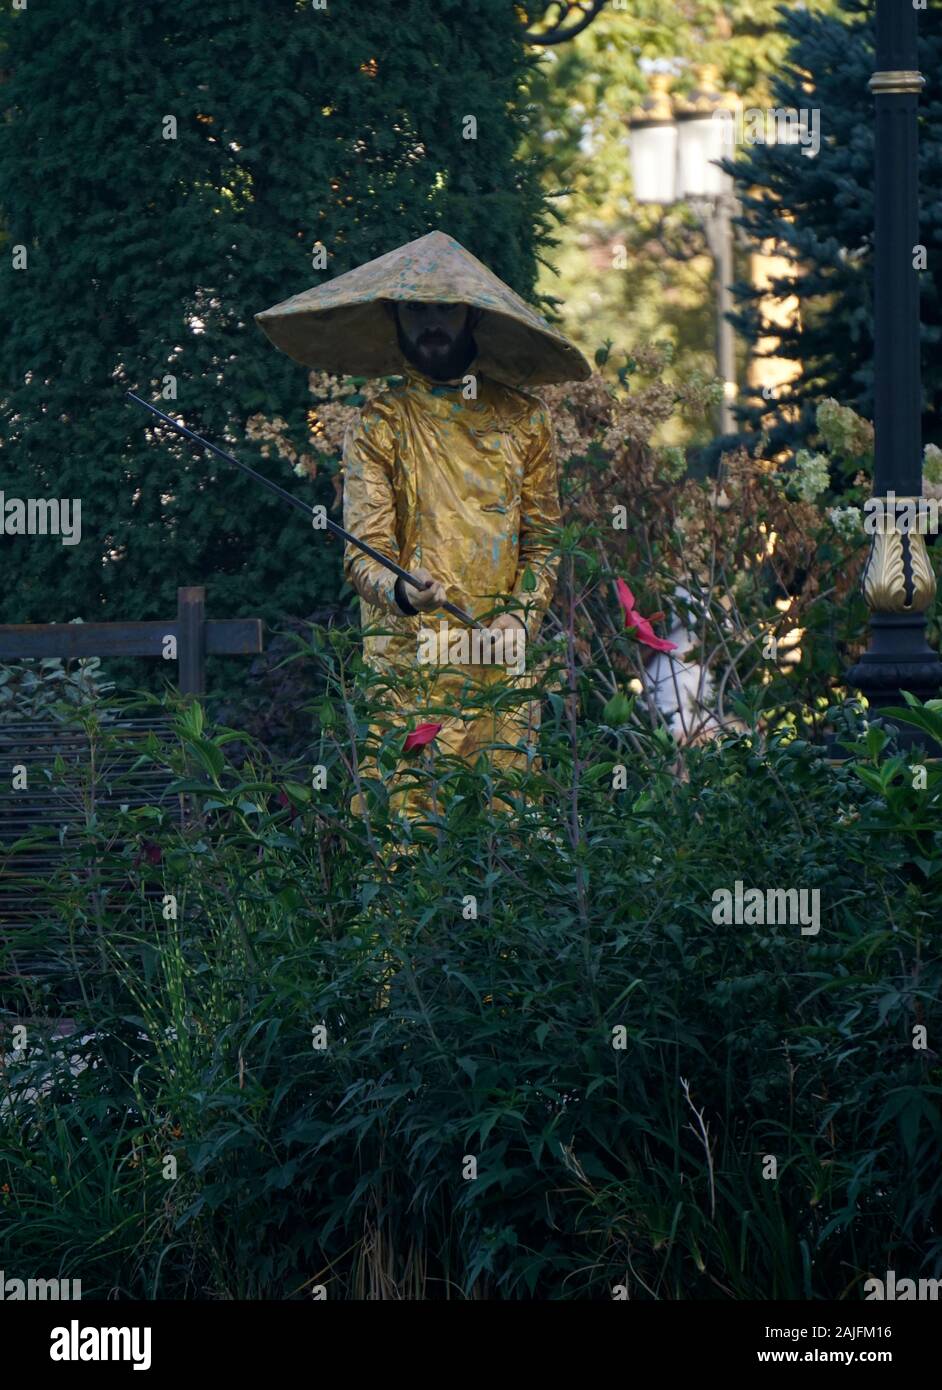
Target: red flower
x,y
420,736
149,851
644,631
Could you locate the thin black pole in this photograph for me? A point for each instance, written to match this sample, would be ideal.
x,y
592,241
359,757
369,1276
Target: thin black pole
x,y
302,506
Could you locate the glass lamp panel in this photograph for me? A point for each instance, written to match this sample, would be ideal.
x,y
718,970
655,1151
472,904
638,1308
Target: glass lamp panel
x,y
701,140
654,162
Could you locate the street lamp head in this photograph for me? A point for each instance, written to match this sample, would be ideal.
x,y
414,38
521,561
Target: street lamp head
x,y
704,135
653,140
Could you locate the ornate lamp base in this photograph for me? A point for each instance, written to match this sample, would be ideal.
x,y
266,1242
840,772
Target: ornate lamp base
x,y
899,658
899,585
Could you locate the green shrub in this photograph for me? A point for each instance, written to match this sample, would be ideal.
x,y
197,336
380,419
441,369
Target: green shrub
x,y
452,1037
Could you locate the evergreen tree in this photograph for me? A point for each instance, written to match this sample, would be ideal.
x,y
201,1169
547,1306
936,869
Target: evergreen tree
x,y
166,171
820,211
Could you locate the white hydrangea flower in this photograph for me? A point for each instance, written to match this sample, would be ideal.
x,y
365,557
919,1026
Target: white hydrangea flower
x,y
811,476
847,521
932,463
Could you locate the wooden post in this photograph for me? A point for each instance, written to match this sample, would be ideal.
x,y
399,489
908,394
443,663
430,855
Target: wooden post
x,y
191,640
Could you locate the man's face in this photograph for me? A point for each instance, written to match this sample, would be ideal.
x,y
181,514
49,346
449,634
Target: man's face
x,y
435,338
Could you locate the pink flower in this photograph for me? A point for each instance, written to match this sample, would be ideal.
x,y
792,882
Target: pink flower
x,y
420,736
643,629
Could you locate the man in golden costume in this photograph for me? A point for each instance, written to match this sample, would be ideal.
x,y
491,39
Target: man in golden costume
x,y
452,474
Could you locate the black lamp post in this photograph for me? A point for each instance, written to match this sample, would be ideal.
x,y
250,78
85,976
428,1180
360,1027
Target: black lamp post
x,y
899,583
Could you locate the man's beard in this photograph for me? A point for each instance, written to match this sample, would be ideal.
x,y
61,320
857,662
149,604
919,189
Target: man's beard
x,y
442,360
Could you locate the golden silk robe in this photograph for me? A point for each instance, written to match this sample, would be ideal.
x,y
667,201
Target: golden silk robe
x,y
468,490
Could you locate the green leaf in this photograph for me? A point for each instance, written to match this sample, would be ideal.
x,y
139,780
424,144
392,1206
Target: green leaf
x,y
467,1064
618,710
875,742
208,756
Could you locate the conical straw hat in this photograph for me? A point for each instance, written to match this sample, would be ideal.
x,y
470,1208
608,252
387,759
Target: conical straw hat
x,y
343,326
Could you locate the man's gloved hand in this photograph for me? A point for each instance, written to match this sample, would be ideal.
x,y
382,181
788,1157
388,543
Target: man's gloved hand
x,y
420,600
506,620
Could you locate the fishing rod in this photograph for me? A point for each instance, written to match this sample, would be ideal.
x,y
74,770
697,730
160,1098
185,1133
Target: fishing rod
x,y
303,506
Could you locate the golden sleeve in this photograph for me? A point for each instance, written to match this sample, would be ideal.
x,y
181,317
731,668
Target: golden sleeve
x,y
539,514
369,507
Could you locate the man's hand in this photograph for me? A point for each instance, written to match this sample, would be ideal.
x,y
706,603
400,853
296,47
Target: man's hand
x,y
506,620
509,651
433,595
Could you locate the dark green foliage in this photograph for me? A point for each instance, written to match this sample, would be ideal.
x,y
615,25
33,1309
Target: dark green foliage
x,y
820,211
451,1035
285,136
